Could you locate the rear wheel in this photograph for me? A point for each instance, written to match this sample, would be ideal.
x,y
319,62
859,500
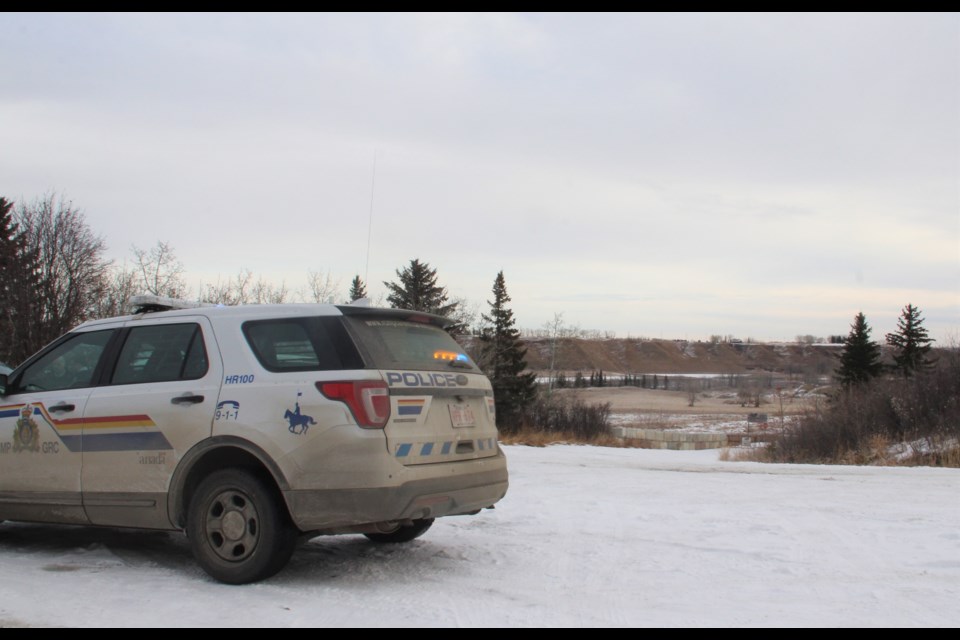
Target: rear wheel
x,y
403,533
238,528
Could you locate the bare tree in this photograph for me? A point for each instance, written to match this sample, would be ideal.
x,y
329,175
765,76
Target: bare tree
x,y
750,392
156,271
160,272
119,284
268,293
72,271
243,289
557,330
691,385
321,287
231,292
465,314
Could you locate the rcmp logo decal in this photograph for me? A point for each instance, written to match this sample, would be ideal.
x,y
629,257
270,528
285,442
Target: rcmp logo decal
x,y
26,432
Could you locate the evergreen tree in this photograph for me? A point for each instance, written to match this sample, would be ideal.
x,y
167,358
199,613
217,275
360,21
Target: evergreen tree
x,y
860,359
417,290
19,290
502,357
911,343
8,257
357,289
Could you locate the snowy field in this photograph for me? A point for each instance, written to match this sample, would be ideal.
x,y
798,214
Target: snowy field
x,y
586,537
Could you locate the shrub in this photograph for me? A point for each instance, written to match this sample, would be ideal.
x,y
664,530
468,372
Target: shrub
x,y
886,421
560,414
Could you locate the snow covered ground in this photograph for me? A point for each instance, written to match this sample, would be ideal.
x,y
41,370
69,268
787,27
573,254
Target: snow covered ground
x,y
586,537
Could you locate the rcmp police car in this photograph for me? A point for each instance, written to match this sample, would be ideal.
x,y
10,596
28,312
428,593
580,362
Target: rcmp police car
x,y
250,428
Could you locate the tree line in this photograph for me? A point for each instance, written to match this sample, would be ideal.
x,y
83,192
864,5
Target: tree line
x,y
53,276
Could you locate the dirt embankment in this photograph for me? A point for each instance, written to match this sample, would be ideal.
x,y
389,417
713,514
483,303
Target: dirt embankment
x,y
633,356
700,386
714,404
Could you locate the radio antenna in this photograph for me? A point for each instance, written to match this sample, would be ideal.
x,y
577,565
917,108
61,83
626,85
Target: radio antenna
x,y
373,183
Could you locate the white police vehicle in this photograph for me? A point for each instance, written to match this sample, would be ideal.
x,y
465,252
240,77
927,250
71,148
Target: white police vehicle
x,y
250,428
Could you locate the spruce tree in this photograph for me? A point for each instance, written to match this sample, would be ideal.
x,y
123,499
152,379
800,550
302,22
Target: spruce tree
x,y
860,359
8,257
502,357
357,289
910,342
417,290
19,290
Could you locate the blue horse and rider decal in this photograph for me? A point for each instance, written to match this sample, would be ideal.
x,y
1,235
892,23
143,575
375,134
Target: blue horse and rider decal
x,y
299,423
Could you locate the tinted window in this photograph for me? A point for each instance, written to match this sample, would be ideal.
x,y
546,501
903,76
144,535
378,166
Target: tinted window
x,y
68,365
302,344
161,353
402,344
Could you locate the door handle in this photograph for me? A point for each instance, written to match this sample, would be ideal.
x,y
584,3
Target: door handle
x,y
63,406
187,399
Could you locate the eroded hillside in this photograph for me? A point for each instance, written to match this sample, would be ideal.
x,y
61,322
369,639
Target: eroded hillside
x,y
632,356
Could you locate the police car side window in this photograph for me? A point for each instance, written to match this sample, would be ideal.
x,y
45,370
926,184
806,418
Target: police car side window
x,y
302,344
197,364
161,353
69,365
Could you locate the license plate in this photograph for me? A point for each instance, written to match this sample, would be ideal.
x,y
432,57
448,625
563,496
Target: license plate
x,y
461,415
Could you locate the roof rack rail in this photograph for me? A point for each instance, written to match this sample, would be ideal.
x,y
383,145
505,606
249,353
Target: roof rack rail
x,y
149,303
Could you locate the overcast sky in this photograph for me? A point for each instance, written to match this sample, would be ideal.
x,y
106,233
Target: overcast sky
x,y
655,175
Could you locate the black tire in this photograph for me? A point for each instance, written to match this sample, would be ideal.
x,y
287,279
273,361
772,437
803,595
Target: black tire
x,y
403,533
238,528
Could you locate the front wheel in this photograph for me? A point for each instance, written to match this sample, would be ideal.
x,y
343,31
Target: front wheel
x,y
238,528
403,533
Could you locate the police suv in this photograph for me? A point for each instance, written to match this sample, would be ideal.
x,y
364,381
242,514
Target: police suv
x,y
250,428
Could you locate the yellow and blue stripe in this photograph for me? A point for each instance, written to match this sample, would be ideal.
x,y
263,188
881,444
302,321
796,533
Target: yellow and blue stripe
x,y
137,432
410,406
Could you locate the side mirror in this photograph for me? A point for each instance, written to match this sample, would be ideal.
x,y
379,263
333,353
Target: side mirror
x,y
3,384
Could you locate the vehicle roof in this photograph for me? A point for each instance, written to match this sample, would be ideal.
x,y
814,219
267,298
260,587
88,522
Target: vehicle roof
x,y
260,311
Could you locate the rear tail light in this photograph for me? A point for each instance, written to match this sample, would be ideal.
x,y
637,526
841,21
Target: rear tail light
x,y
369,400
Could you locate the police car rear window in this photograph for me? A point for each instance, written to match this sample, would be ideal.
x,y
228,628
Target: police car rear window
x,y
302,344
402,344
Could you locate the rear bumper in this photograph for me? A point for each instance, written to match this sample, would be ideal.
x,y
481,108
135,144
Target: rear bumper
x,y
452,489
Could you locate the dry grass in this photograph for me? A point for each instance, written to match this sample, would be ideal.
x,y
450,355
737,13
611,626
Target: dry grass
x,y
877,453
546,438
948,458
893,422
